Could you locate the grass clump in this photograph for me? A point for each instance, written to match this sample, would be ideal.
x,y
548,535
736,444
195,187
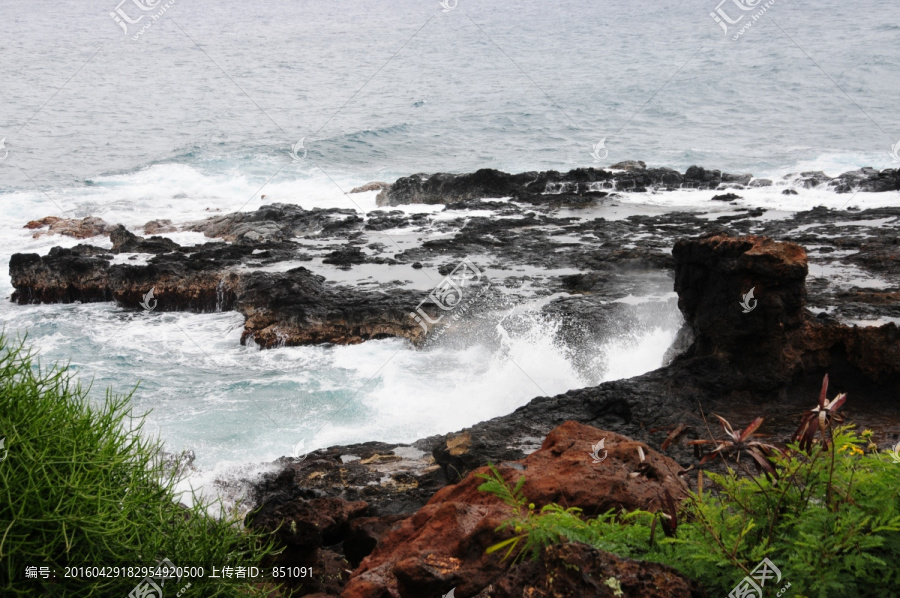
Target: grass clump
x,y
82,487
828,517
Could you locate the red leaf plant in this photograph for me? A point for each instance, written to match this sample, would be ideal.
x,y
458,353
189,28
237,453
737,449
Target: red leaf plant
x,y
738,442
819,419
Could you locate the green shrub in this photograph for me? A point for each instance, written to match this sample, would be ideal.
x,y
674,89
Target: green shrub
x,y
829,519
82,487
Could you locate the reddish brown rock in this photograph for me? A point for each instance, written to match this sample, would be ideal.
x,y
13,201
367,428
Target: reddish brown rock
x,y
577,570
562,472
363,535
444,544
83,228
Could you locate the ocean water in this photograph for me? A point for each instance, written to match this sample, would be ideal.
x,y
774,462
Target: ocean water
x,y
201,113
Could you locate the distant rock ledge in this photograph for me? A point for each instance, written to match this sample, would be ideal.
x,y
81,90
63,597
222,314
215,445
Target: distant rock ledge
x,y
631,176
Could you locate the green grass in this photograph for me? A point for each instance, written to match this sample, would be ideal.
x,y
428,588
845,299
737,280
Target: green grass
x,y
830,521
81,486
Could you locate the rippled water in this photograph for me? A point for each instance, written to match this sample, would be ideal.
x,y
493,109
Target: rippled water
x,y
202,111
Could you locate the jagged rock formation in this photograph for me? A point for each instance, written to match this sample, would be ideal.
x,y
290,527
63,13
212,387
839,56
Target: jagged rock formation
x,y
773,337
284,308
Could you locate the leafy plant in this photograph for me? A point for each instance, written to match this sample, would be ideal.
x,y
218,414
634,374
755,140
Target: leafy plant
x,y
739,442
83,487
533,530
819,419
828,515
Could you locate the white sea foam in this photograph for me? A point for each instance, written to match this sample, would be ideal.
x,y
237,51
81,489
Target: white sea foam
x,y
237,405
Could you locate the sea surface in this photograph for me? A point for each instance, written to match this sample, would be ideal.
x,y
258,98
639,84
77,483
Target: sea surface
x,y
217,103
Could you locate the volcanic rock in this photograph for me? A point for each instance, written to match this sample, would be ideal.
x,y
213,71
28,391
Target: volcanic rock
x,y
364,533
809,179
62,276
452,188
297,308
127,242
159,226
443,545
276,222
726,197
308,523
770,336
83,228
867,179
711,277
629,165
576,569
345,257
444,188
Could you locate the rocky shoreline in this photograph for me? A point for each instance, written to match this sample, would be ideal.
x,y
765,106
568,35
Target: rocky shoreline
x,y
381,519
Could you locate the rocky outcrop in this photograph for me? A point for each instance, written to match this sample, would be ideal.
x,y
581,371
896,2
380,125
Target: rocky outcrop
x,y
276,222
155,227
82,228
867,179
766,361
297,308
713,275
771,337
444,544
286,308
61,276
125,241
632,176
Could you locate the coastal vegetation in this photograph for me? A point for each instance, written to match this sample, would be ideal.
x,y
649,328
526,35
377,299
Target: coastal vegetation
x,y
824,509
89,505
